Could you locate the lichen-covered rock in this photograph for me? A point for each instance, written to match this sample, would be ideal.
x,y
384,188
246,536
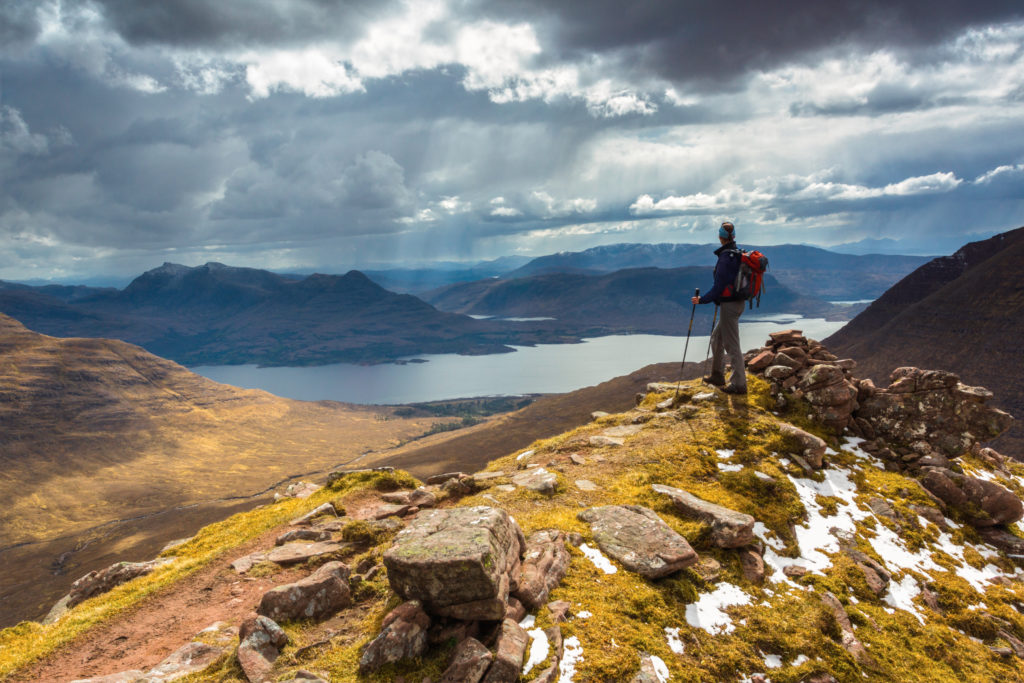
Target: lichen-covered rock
x,y
813,446
639,539
537,479
320,594
456,557
261,640
729,529
545,562
293,553
188,659
303,535
403,636
102,580
933,406
982,503
420,498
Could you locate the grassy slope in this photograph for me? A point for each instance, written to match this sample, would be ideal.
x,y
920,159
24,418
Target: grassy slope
x,y
630,613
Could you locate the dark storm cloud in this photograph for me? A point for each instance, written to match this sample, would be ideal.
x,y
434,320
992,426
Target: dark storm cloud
x,y
19,24
714,42
239,22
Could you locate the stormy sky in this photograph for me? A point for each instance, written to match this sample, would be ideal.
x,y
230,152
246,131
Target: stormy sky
x,y
324,134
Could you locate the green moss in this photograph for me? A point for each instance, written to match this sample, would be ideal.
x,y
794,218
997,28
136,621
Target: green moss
x,y
264,568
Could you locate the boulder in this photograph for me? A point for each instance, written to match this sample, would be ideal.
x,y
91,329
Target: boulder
x,y
982,503
260,642
729,529
320,594
508,658
779,372
639,540
417,497
457,561
303,535
469,664
820,376
1010,544
403,636
787,361
544,564
537,479
325,509
813,446
293,553
100,581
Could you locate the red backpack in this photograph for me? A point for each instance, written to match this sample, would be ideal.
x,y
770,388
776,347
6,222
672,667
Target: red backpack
x,y
750,277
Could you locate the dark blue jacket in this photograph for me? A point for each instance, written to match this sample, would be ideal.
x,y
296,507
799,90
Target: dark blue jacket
x,y
726,269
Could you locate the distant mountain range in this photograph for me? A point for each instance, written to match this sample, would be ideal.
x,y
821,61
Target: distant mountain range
x,y
813,271
963,313
218,314
645,300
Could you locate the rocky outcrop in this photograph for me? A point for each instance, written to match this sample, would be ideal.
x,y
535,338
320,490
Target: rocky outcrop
x,y
191,658
261,640
544,564
639,539
320,594
100,581
813,447
729,529
931,411
459,562
403,636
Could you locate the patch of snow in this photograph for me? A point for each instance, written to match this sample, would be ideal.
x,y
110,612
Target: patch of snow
x,y
785,462
524,454
708,612
852,444
529,622
674,642
583,614
772,661
728,467
725,453
901,595
660,669
799,660
539,649
761,531
571,656
598,559
707,395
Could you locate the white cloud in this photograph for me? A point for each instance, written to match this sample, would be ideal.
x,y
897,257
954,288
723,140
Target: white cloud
x,y
16,137
548,207
506,212
312,71
998,173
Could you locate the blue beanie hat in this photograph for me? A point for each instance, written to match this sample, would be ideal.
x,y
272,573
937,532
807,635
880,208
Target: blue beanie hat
x,y
726,231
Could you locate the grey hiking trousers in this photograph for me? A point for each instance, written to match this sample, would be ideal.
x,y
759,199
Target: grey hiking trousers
x,y
725,341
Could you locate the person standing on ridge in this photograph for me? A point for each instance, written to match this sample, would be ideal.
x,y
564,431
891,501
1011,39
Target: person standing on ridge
x,y
725,338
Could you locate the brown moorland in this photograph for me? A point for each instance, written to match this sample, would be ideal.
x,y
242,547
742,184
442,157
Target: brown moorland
x,y
108,452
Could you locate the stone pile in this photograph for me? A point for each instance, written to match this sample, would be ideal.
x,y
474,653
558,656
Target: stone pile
x,y
803,368
466,573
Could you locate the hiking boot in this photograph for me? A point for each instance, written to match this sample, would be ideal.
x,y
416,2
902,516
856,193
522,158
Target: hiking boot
x,y
733,389
713,379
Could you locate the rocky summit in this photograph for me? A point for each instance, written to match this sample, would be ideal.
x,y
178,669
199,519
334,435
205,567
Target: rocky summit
x,y
820,528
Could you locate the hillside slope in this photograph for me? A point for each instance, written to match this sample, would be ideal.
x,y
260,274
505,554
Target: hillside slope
x,y
963,313
843,569
94,431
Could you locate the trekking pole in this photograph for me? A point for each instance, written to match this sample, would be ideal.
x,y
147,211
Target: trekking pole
x,y
696,292
714,319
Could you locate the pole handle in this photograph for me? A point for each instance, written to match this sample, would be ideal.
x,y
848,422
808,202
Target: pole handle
x,y
696,292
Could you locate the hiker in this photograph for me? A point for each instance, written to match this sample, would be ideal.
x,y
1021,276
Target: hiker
x,y
725,338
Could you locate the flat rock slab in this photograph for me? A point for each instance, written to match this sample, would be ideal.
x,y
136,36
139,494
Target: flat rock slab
x,y
537,479
622,430
601,440
291,553
454,556
585,485
729,529
639,540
